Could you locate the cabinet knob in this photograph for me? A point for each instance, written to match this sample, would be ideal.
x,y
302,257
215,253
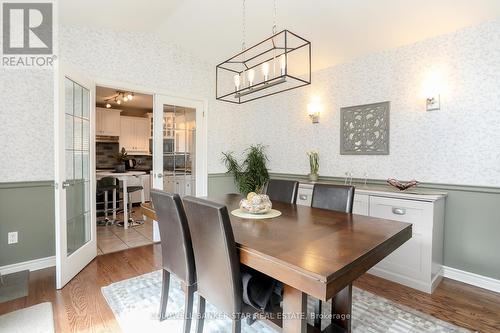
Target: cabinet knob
x,y
398,211
303,197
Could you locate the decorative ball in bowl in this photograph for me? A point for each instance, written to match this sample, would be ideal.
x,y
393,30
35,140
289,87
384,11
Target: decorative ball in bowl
x,y
256,204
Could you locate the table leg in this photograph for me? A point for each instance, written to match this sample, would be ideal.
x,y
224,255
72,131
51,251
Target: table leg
x,y
342,309
294,310
125,203
114,205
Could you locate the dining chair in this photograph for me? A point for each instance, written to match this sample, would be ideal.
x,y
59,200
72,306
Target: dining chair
x,y
216,258
332,197
176,250
282,190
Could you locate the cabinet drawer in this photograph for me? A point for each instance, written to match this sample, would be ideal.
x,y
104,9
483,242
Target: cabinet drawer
x,y
418,213
304,196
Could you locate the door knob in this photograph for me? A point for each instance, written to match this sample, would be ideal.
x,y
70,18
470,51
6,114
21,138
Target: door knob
x,y
65,184
159,175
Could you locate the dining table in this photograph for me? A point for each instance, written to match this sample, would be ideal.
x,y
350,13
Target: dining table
x,y
312,252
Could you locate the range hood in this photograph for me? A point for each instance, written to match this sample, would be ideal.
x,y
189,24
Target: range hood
x,y
107,138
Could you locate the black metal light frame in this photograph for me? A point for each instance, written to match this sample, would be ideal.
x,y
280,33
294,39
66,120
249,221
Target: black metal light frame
x,y
253,62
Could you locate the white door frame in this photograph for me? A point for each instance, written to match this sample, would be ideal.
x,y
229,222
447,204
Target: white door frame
x,y
68,267
201,124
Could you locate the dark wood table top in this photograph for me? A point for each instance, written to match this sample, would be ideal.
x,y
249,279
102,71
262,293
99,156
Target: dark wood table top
x,y
315,250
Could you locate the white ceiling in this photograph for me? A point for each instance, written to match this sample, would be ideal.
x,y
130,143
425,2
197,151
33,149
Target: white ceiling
x,y
340,30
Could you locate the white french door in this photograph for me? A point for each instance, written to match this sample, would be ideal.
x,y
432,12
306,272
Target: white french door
x,y
179,145
76,242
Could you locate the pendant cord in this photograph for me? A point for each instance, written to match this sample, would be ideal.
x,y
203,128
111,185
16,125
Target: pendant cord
x,y
275,26
243,28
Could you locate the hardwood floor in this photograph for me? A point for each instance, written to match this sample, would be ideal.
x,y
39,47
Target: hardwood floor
x,y
80,306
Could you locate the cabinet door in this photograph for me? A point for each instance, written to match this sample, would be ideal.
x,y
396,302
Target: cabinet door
x,y
361,204
110,120
127,134
142,130
411,259
98,121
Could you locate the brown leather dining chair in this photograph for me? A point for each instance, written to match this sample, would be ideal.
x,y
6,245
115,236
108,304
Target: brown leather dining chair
x,y
282,190
217,261
332,197
338,198
176,250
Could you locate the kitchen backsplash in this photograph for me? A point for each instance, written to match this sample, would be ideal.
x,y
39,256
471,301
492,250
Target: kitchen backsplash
x,y
106,153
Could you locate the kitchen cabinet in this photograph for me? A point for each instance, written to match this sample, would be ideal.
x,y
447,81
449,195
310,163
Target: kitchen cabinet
x,y
107,122
180,184
134,135
417,263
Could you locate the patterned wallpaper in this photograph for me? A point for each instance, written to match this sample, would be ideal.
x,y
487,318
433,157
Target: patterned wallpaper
x,y
458,144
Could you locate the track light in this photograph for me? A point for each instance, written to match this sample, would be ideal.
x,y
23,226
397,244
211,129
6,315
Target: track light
x,y
108,105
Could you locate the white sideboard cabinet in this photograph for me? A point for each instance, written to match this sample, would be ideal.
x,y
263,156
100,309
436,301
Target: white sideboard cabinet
x,y
417,263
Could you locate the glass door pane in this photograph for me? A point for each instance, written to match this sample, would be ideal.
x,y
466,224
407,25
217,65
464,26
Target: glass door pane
x,y
178,149
77,159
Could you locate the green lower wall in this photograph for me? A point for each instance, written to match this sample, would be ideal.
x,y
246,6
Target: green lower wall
x,y
27,208
472,222
472,225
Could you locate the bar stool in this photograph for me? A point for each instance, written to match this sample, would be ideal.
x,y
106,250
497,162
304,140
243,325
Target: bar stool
x,y
131,189
104,186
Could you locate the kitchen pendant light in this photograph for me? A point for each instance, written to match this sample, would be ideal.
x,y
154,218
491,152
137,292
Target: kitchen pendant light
x,y
279,63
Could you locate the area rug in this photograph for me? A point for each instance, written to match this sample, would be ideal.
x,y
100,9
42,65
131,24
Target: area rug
x,y
135,303
35,319
14,285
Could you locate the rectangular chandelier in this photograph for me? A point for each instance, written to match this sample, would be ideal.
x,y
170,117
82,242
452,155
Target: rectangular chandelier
x,y
280,63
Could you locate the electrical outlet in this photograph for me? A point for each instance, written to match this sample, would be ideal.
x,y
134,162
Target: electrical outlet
x,y
12,237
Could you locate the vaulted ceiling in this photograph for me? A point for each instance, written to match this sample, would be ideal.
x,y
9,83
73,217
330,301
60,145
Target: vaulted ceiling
x,y
340,30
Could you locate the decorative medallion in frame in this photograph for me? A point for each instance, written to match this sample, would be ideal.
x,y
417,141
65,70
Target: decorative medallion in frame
x,y
364,129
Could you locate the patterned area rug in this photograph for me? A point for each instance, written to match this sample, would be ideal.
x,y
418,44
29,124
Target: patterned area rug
x,y
135,303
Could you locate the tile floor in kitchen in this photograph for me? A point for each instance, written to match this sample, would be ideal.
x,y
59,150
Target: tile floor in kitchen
x,y
114,238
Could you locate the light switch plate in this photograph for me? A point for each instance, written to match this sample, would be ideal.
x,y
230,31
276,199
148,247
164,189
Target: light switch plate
x,y
12,237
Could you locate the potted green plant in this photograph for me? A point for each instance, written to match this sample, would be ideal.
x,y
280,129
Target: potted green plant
x,y
252,174
313,165
121,158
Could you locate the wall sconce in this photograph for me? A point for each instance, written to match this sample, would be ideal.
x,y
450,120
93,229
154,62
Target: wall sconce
x,y
433,103
314,109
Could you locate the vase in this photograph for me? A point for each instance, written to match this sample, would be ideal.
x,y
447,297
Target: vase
x,y
313,177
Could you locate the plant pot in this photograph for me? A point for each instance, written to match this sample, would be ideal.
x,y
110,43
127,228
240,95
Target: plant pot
x,y
313,177
120,167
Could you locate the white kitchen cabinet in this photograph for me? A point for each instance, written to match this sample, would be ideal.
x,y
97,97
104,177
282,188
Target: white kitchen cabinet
x,y
134,135
107,122
418,262
180,184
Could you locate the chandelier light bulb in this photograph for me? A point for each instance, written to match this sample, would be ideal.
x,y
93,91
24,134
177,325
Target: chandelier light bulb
x,y
237,81
125,98
283,64
265,70
251,77
130,96
118,102
108,105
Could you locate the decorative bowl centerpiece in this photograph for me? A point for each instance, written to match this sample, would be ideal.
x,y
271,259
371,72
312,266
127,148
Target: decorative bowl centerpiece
x,y
402,186
256,204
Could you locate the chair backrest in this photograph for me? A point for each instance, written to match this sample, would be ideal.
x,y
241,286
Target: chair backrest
x,y
215,254
176,246
106,184
333,197
282,190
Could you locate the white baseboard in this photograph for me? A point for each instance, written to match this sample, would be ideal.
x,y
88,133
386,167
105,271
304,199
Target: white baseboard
x,y
31,265
472,279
